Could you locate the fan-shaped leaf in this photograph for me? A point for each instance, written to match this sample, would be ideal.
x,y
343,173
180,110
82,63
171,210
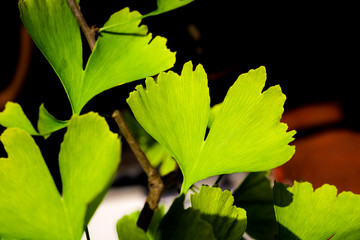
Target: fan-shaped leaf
x,y
31,206
216,207
303,213
246,134
125,54
14,116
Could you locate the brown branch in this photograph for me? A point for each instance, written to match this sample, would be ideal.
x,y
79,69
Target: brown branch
x,y
156,185
88,32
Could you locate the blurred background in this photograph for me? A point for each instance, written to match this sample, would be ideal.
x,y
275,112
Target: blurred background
x,y
310,49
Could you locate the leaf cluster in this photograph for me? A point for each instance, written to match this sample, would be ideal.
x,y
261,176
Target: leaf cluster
x,y
175,125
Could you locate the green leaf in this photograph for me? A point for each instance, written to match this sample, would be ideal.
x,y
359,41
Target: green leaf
x,y
214,111
216,207
303,213
48,123
14,116
31,206
128,230
168,5
183,224
125,54
245,136
53,28
127,226
175,111
256,197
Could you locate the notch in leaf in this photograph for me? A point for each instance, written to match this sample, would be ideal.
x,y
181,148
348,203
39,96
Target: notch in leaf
x,y
245,136
305,213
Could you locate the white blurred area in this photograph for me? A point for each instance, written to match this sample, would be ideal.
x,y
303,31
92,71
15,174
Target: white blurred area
x,y
117,203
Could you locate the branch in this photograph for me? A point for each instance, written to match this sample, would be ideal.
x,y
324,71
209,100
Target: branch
x,y
88,32
156,185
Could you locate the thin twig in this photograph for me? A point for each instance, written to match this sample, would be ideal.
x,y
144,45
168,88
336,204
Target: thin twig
x,y
156,185
87,233
88,32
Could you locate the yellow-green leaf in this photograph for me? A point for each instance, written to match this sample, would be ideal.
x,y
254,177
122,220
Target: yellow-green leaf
x,y
246,135
303,213
31,206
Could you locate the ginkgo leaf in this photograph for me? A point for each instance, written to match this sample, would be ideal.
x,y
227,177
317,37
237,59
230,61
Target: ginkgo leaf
x,y
31,206
167,5
216,207
246,135
52,26
175,111
303,213
48,123
14,116
125,54
127,228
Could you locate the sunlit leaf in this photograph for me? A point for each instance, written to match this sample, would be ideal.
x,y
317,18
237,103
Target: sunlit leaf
x,y
175,111
303,213
124,54
246,135
216,207
48,123
31,206
14,116
53,28
168,5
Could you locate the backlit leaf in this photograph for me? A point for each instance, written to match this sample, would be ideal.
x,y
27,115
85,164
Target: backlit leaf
x,y
303,213
31,206
216,207
175,111
168,5
246,135
48,123
14,116
124,54
53,28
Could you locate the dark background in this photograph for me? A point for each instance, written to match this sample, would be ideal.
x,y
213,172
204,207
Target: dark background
x,y
310,49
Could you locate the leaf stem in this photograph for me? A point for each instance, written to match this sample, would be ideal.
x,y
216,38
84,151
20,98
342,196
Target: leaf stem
x,y
156,185
87,233
88,32
216,184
